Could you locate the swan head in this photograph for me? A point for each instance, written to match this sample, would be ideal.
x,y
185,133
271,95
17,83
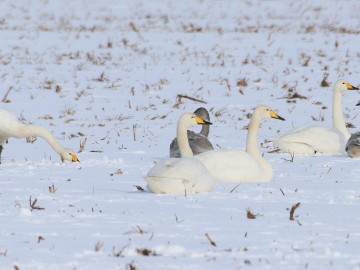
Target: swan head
x,y
68,154
202,113
190,119
343,85
265,112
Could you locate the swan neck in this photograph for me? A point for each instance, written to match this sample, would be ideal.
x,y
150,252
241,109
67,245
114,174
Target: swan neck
x,y
252,147
205,130
338,116
183,142
37,131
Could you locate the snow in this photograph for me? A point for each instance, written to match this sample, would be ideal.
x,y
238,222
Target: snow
x,y
118,67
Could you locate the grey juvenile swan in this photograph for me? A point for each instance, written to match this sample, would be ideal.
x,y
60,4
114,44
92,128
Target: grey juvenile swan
x,y
199,142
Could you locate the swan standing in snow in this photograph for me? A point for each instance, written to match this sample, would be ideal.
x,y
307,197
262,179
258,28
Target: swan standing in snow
x,y
314,139
181,175
234,165
10,126
199,142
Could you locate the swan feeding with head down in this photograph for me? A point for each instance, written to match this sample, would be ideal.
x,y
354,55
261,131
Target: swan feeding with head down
x,y
234,165
315,139
198,142
183,175
11,127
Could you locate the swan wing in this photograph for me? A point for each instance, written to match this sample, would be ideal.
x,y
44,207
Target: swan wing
x,y
231,165
311,140
198,144
179,176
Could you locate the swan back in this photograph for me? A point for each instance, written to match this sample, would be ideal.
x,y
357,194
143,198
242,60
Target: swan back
x,y
8,125
179,176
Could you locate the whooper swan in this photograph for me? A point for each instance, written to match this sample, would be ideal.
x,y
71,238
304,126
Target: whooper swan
x,y
315,139
10,126
183,175
234,165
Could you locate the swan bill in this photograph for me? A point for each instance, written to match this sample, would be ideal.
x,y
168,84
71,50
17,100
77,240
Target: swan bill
x,y
275,116
74,158
201,121
351,87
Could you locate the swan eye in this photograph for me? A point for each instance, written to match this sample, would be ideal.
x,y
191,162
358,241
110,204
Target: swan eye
x,y
70,154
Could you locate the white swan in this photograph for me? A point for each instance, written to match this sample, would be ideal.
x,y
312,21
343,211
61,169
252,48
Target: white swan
x,y
353,145
10,126
183,175
234,165
199,142
314,139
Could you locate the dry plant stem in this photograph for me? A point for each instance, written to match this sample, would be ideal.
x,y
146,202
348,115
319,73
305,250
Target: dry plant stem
x,y
5,100
139,188
235,188
82,145
98,246
292,210
250,215
134,132
33,205
292,155
210,240
52,188
131,266
191,98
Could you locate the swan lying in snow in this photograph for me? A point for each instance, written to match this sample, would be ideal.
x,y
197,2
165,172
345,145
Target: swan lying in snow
x,y
353,145
234,165
181,175
314,139
12,127
199,142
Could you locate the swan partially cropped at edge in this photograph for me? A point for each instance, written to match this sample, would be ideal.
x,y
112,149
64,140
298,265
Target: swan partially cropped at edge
x,y
235,165
10,126
183,175
352,147
198,142
315,139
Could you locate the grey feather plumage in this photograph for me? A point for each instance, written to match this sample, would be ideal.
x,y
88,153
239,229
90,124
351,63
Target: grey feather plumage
x,y
353,145
198,142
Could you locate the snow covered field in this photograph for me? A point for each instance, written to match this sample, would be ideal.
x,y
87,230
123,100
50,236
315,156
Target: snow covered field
x,y
107,74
